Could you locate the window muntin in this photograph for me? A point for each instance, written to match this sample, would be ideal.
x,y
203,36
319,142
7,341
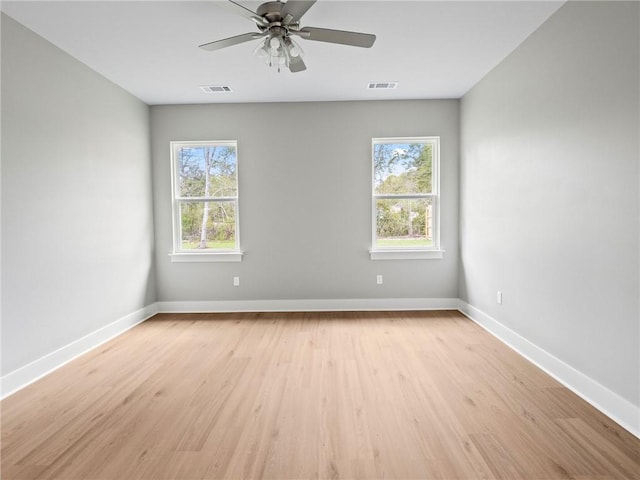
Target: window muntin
x,y
405,193
205,196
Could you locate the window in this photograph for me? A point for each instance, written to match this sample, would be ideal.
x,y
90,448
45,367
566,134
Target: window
x,y
405,198
205,201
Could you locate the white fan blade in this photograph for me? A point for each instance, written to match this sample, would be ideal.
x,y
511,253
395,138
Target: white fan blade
x,y
227,42
238,9
296,8
342,37
297,65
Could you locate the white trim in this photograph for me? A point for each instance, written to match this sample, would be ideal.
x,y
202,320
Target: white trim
x,y
434,195
207,257
309,305
418,139
206,199
176,199
620,410
405,196
23,376
406,254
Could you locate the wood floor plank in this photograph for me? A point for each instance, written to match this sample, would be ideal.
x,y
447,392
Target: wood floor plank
x,y
360,395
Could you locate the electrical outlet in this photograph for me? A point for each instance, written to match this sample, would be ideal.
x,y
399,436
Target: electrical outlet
x,y
379,279
499,297
236,281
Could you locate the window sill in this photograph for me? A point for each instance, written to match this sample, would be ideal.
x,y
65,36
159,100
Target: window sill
x,y
406,254
233,256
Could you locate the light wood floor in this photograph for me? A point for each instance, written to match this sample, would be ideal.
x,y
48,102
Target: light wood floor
x,y
317,395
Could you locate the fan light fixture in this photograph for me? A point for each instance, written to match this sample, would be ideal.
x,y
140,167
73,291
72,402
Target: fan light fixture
x,y
277,21
278,51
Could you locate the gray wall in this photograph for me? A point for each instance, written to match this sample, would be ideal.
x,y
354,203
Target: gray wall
x,y
549,197
549,182
305,200
77,233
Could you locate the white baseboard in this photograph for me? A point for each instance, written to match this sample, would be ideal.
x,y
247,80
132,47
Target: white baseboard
x,y
620,410
23,376
310,305
611,404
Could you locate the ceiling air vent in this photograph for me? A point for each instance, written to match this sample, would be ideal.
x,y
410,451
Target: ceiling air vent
x,y
216,89
383,85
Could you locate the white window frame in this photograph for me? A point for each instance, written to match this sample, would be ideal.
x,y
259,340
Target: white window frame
x,y
205,255
408,252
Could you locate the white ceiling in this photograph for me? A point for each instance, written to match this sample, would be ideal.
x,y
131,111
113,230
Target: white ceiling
x,y
434,49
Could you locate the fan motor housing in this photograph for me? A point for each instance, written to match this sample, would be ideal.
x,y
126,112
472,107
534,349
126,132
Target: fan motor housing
x,y
272,11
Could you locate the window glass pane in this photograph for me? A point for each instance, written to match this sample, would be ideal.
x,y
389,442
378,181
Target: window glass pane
x,y
208,225
402,168
404,223
207,171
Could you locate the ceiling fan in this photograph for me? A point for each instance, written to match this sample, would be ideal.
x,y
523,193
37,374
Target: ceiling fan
x,y
278,22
